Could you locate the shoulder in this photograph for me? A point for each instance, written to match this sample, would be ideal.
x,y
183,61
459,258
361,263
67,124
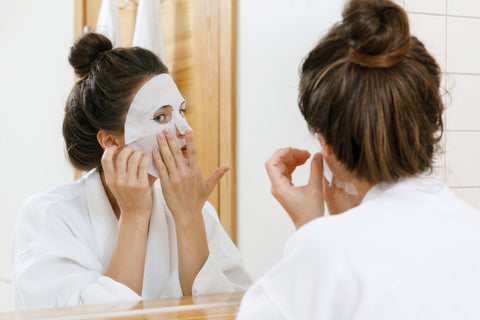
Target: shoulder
x,y
58,206
316,275
58,196
256,304
328,234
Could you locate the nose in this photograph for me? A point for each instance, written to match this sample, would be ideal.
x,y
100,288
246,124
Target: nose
x,y
178,133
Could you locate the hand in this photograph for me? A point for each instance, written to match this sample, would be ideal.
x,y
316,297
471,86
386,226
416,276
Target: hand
x,y
183,186
126,175
303,203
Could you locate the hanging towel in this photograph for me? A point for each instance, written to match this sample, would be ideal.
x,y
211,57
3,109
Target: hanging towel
x,y
148,29
108,22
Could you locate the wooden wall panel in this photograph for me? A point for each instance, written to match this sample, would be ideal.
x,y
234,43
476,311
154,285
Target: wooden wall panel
x,y
200,52
206,88
227,123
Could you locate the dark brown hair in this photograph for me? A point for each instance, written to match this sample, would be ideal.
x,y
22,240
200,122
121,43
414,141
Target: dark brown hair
x,y
373,92
99,100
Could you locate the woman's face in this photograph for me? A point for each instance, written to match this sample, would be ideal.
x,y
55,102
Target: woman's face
x,y
157,106
164,115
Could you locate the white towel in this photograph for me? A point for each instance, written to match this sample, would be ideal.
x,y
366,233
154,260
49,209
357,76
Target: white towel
x,y
148,29
108,22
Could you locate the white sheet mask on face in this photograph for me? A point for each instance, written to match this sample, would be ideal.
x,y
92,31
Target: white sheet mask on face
x,y
141,129
331,178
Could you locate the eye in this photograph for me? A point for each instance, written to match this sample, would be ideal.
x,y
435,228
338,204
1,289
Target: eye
x,y
182,112
160,118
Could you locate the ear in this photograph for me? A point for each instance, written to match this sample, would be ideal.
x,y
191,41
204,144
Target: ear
x,y
327,149
107,139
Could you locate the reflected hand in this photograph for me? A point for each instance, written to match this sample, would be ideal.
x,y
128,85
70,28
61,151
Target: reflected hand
x,y
302,203
183,185
126,175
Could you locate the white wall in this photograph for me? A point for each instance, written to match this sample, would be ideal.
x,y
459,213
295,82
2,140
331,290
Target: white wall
x,y
273,37
35,37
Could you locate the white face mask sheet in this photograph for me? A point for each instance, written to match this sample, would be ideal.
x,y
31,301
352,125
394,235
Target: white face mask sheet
x,y
141,129
331,178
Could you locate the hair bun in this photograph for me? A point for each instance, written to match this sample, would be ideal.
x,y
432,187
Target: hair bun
x,y
378,31
89,48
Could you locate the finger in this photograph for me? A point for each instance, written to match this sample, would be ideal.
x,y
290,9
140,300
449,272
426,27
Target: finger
x,y
215,178
132,165
166,154
283,162
107,162
175,149
296,157
192,153
288,159
316,172
121,163
143,169
277,170
160,165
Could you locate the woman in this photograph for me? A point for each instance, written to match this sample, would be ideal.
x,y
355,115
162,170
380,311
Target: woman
x,y
113,235
398,244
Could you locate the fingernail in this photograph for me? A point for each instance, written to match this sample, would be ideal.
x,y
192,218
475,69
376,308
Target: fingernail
x,y
161,136
166,131
189,132
155,151
317,157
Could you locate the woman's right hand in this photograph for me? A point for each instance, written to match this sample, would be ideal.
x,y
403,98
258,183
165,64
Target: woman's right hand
x,y
302,203
126,175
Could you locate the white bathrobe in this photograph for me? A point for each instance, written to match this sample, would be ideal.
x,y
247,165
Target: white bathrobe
x,y
410,250
64,239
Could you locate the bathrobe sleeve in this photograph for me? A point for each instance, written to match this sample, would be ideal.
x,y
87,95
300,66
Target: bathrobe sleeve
x,y
223,272
52,264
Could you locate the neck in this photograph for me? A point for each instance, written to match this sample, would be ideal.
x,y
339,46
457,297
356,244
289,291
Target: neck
x,y
111,197
337,199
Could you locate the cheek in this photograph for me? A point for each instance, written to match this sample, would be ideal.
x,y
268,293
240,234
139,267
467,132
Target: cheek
x,y
169,125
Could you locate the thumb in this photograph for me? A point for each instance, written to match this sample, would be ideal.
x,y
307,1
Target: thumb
x,y
316,171
215,178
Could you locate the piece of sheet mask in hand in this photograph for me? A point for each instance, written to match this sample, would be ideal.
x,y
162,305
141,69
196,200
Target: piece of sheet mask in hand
x,y
141,129
313,143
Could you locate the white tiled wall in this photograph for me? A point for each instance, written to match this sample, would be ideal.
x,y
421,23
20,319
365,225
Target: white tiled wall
x,y
449,30
463,45
431,30
468,8
427,6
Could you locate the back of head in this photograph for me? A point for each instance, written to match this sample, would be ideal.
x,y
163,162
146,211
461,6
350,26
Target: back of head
x,y
372,91
99,100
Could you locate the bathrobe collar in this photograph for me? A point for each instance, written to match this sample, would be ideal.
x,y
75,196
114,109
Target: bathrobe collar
x,y
423,182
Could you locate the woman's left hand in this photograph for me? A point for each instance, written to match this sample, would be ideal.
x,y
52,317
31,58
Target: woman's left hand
x,y
302,203
183,185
